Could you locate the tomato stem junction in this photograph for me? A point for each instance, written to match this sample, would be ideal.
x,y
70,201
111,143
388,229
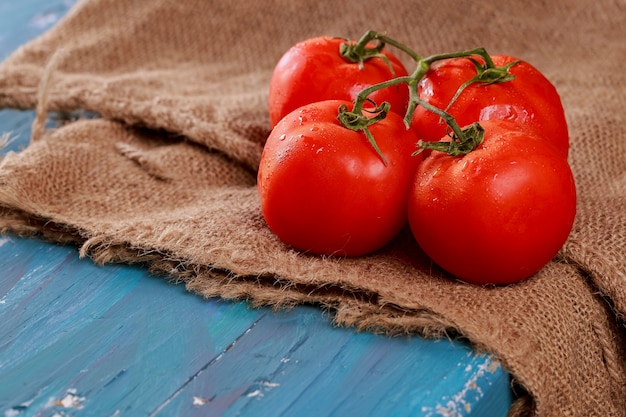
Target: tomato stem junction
x,y
360,51
458,145
485,74
356,120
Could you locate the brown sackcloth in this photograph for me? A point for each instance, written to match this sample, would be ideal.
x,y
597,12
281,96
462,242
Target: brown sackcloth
x,y
167,175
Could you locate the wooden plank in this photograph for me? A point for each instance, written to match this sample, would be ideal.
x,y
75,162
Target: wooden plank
x,y
114,341
325,371
82,340
68,322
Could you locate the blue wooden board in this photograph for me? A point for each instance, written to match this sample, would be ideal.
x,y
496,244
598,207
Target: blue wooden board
x,y
77,339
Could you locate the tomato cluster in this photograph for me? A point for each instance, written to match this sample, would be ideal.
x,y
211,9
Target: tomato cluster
x,y
470,151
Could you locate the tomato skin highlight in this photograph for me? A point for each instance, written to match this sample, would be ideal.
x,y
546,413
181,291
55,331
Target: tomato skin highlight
x,y
313,70
530,99
498,214
325,190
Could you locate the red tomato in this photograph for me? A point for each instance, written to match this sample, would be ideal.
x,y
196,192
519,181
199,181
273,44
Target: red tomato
x,y
314,70
498,214
325,190
529,99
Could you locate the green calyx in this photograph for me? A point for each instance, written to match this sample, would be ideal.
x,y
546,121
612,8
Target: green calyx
x,y
359,53
361,50
472,136
357,121
485,75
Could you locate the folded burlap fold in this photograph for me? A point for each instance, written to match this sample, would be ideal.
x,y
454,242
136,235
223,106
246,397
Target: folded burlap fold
x,y
167,175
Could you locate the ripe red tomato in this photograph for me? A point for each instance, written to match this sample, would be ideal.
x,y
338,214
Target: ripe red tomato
x,y
314,70
325,190
498,214
529,98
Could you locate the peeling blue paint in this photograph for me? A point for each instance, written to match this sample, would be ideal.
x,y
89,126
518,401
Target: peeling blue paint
x,y
78,340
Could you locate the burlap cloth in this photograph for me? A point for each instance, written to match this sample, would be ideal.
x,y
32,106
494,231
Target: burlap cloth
x,y
167,175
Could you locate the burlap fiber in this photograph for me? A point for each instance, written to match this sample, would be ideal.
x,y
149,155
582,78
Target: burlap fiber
x,y
166,176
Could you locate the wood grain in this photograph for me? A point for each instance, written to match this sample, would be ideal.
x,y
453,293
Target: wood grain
x,y
77,339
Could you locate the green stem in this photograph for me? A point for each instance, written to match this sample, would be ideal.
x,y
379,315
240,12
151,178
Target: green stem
x,y
447,117
371,35
359,51
362,97
482,52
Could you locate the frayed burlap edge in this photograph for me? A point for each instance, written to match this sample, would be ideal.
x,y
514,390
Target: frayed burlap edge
x,y
350,308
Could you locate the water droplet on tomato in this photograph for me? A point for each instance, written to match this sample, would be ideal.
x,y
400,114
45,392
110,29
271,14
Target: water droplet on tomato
x,y
302,120
282,137
314,129
320,150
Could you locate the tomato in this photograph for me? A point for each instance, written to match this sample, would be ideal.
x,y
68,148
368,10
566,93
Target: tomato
x,y
314,70
530,99
325,190
498,214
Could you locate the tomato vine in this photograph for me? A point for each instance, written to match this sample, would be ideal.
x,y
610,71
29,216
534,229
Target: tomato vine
x,y
463,140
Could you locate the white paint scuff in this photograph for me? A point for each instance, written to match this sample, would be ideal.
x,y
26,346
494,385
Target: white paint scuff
x,y
460,404
71,400
264,386
199,401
